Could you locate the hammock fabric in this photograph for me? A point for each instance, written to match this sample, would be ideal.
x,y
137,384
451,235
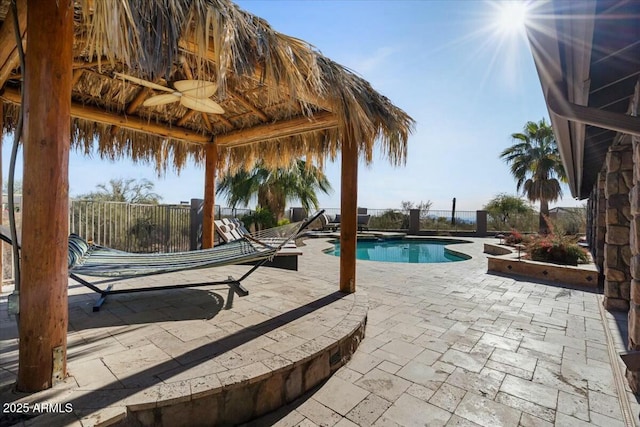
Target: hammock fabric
x,y
93,260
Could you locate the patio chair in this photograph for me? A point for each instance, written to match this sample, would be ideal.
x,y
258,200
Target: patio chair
x,y
228,230
333,224
98,261
362,223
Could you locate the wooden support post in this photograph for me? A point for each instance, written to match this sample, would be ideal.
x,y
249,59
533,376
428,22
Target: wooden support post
x,y
349,216
1,202
208,211
45,228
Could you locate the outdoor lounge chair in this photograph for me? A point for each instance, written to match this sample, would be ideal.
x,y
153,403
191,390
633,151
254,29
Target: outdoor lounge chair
x,y
333,224
99,261
363,223
228,230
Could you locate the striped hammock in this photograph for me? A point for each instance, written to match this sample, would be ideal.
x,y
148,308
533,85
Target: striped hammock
x,y
100,261
92,260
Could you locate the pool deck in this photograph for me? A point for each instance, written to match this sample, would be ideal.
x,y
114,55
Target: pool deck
x,y
446,344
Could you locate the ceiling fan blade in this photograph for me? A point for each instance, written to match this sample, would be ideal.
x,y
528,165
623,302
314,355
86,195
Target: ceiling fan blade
x,y
196,88
161,100
204,105
142,82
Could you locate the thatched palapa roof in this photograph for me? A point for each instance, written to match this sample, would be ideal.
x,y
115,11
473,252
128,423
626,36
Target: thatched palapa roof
x,y
282,98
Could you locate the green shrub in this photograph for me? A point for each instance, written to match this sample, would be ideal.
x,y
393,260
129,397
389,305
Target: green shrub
x,y
557,250
284,221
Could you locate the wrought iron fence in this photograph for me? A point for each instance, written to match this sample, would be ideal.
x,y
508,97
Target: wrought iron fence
x,y
524,223
126,226
430,220
132,227
443,220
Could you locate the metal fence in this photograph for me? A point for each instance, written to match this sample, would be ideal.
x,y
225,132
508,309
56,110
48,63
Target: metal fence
x,y
125,226
524,223
131,227
430,220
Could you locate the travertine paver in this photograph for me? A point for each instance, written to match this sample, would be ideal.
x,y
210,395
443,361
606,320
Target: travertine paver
x,y
467,348
384,384
486,412
340,395
410,411
446,344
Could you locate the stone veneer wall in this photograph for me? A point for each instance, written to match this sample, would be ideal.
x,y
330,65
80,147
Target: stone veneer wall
x,y
596,224
617,253
600,223
634,196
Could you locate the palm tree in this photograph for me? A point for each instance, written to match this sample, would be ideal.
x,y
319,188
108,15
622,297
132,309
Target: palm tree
x,y
536,165
274,188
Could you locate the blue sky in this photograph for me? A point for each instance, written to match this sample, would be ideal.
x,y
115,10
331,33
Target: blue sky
x,y
468,84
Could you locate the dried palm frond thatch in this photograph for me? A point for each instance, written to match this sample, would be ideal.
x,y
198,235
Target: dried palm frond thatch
x,y
262,76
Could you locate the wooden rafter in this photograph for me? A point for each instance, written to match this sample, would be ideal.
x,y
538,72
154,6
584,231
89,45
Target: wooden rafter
x,y
184,119
249,106
133,123
281,129
9,59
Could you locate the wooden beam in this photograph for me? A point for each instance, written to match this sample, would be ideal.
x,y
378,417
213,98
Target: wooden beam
x,y
9,59
76,77
184,119
138,100
1,210
249,106
282,129
348,216
285,128
45,215
208,210
132,123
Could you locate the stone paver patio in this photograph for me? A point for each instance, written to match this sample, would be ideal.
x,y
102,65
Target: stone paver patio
x,y
449,344
446,344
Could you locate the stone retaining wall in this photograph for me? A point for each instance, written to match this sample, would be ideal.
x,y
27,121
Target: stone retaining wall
x,y
582,276
252,394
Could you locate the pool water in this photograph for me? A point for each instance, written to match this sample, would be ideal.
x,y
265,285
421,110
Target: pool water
x,y
408,251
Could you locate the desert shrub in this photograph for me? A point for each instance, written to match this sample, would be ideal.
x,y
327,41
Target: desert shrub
x,y
556,249
514,238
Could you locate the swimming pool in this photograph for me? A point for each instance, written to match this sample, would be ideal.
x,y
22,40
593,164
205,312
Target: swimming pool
x,y
405,250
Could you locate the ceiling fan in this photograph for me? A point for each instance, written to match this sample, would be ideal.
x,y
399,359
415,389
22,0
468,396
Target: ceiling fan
x,y
192,94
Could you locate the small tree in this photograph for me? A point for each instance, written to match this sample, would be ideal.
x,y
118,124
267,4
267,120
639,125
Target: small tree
x,y
124,190
424,207
504,206
142,226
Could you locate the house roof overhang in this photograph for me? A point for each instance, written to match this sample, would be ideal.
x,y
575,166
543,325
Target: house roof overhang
x,y
587,55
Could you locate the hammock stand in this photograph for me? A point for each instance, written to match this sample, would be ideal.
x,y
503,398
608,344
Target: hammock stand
x,y
100,261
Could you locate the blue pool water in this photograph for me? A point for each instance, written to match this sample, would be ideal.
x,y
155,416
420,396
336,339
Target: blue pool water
x,y
411,251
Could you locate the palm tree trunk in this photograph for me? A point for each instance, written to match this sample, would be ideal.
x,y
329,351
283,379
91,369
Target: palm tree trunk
x,y
543,227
